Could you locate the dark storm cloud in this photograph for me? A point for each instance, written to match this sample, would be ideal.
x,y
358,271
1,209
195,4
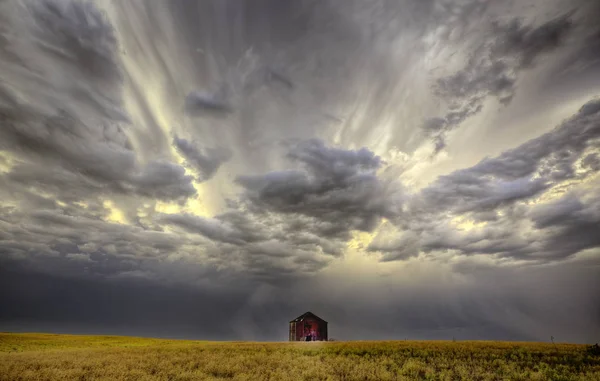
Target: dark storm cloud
x,y
259,233
78,133
591,161
78,35
494,68
198,103
91,153
272,76
334,185
522,172
163,180
77,245
488,303
571,223
49,226
300,216
80,305
211,228
526,43
584,56
207,161
403,246
270,247
494,192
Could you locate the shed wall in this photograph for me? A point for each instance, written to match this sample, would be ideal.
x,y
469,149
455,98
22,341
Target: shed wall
x,y
317,329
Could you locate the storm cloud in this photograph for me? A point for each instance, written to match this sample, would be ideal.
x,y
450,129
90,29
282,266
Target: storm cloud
x,y
493,69
212,169
206,161
338,187
499,195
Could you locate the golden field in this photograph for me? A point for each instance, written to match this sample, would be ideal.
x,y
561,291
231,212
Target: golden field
x,y
73,357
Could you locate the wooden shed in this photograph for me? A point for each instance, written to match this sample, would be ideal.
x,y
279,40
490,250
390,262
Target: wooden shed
x,y
308,327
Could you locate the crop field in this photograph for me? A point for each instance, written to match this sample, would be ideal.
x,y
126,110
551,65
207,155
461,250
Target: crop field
x,y
72,357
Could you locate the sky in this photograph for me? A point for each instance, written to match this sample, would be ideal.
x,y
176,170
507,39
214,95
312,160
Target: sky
x,y
212,169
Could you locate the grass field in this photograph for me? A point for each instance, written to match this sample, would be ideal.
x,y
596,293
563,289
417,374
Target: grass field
x,y
71,357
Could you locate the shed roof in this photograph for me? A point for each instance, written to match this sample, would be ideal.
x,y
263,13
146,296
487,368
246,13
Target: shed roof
x,y
307,315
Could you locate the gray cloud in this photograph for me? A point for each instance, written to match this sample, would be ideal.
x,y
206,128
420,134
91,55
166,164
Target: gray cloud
x,y
77,42
199,103
206,161
335,186
79,35
522,172
582,59
591,161
570,223
163,180
494,68
92,153
301,216
526,44
496,191
211,228
504,304
401,247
